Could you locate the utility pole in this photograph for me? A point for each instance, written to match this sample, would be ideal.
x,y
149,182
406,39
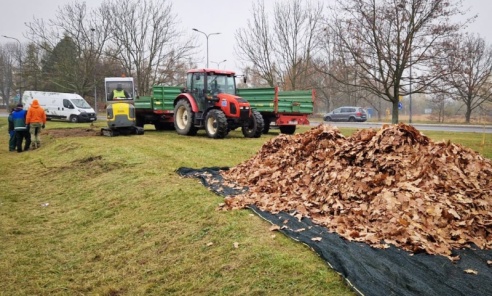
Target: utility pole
x,y
206,36
20,66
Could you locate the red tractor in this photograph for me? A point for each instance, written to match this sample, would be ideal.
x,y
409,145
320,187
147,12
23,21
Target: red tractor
x,y
209,101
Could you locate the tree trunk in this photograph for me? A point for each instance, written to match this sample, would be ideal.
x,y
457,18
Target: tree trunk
x,y
468,114
394,114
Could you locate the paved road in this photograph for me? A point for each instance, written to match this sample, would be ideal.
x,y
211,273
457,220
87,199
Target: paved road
x,y
377,125
423,127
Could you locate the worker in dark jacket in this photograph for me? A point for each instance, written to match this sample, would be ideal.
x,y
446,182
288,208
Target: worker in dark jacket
x,y
20,128
11,132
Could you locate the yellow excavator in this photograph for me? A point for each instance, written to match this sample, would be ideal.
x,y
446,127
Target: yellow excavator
x,y
120,109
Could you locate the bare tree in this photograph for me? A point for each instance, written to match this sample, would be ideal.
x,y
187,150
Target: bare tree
x,y
86,30
465,72
145,40
254,45
297,27
384,40
281,50
7,65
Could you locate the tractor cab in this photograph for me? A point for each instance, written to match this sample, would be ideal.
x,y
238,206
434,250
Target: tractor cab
x,y
205,85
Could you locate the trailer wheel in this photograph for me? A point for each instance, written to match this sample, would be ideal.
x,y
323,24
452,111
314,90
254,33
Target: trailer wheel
x,y
216,124
139,121
164,126
266,125
288,129
74,119
159,126
255,125
184,118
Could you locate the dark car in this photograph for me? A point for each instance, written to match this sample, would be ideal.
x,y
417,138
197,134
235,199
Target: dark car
x,y
346,113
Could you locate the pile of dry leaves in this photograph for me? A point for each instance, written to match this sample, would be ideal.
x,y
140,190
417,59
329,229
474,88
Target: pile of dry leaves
x,y
392,186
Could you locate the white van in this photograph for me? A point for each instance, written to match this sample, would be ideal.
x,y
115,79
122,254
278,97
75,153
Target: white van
x,y
63,106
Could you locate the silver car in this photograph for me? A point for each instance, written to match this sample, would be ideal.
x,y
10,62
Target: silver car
x,y
346,113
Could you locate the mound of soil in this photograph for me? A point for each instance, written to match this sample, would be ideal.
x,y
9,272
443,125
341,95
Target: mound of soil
x,y
72,132
391,186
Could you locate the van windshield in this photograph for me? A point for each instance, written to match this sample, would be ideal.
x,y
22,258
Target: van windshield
x,y
81,103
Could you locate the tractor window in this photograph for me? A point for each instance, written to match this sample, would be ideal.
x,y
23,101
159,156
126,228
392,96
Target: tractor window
x,y
221,84
198,84
189,81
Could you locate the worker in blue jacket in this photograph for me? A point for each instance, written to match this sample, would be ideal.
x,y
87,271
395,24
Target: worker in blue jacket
x,y
20,128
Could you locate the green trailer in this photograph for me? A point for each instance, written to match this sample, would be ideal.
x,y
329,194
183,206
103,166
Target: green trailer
x,y
157,109
283,109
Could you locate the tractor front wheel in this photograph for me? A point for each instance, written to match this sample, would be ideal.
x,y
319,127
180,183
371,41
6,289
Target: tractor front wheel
x,y
184,118
216,124
255,125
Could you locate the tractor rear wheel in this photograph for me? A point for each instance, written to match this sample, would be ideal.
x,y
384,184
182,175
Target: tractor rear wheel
x,y
184,118
216,124
255,125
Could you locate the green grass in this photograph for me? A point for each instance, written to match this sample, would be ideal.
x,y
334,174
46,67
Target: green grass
x,y
109,216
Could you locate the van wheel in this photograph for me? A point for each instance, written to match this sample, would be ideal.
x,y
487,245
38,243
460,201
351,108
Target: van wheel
x,y
74,119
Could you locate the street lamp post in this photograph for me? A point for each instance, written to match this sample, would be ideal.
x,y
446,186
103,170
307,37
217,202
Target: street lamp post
x,y
218,63
206,36
410,95
94,71
20,66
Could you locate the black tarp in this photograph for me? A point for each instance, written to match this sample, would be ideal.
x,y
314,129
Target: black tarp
x,y
371,271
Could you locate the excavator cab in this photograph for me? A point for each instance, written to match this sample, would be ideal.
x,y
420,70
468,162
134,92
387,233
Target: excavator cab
x,y
120,109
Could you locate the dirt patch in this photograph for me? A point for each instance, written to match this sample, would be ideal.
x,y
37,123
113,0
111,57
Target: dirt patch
x,y
72,132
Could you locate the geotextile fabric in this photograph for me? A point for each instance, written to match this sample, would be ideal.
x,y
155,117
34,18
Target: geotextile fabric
x,y
371,271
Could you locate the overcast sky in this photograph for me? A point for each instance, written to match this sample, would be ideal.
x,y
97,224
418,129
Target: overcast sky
x,y
224,16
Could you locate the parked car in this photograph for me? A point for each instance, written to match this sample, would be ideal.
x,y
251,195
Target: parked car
x,y
346,113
